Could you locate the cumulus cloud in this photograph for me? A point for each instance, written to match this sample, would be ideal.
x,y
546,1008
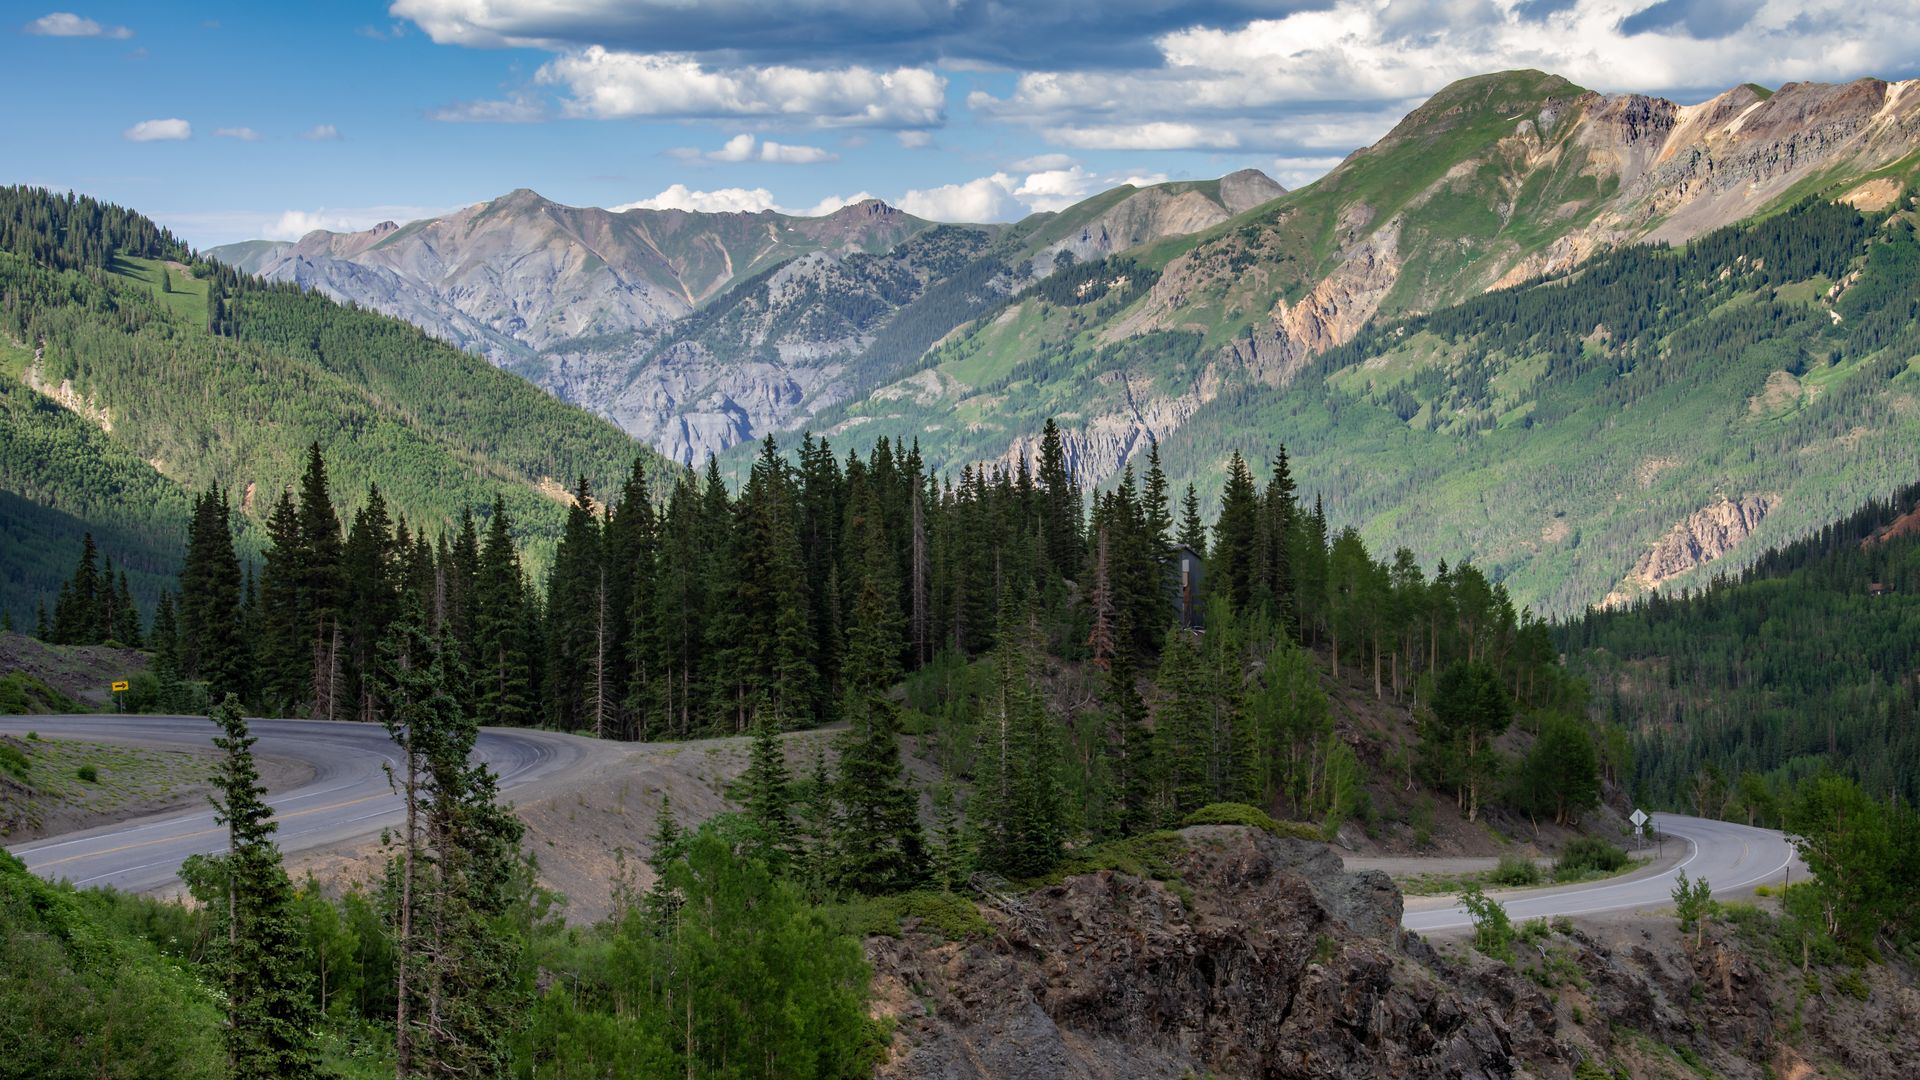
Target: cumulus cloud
x,y
294,224
745,147
172,129
719,200
321,133
831,203
1077,33
990,198
604,84
244,134
1040,162
67,24
1337,77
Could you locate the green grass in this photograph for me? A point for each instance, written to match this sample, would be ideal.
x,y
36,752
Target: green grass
x,y
105,777
187,299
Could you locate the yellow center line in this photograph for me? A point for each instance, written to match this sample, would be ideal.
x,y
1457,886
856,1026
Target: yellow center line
x,y
203,832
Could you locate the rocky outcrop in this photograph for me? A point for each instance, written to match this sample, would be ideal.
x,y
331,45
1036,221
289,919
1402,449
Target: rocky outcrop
x,y
1264,960
1703,536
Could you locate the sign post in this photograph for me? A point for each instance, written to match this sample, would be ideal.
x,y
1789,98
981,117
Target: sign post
x,y
119,688
1640,820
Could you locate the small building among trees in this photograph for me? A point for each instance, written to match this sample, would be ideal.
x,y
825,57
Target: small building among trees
x,y
1188,602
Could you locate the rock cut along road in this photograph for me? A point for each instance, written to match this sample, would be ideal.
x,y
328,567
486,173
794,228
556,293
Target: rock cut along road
x,y
349,797
1733,858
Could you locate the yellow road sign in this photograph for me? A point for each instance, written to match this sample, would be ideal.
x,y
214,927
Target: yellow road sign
x,y
119,686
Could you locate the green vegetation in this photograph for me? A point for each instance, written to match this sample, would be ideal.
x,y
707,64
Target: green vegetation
x,y
1802,663
22,694
1493,932
1589,856
225,378
1515,872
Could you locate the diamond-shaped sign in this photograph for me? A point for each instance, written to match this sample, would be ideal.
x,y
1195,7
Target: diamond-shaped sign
x,y
1639,819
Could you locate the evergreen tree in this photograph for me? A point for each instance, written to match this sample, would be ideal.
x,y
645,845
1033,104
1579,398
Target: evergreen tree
x,y
767,795
320,590
577,695
1234,571
878,843
503,653
213,649
270,1014
1060,501
1193,534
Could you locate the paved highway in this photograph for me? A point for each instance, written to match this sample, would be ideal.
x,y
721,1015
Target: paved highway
x,y
1733,859
348,798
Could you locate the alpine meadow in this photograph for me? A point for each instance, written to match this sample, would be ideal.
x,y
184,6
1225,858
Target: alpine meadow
x,y
1144,540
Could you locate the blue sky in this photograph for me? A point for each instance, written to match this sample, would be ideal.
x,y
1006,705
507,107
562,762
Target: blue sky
x,y
231,121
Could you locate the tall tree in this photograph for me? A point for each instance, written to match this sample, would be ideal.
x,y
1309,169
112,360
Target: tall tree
x,y
270,1015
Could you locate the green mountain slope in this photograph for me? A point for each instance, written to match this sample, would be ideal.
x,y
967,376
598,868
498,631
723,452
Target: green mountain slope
x,y
1810,660
117,399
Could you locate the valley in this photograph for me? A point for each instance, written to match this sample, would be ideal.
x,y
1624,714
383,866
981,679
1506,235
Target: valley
x,y
1269,550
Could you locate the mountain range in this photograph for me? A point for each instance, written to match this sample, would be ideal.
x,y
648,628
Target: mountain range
x,y
1209,315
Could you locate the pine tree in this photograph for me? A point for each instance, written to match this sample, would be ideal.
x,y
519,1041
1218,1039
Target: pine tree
x,y
1192,533
126,617
1060,502
457,991
577,697
270,1016
213,649
319,585
503,655
1279,508
767,795
878,844
1234,571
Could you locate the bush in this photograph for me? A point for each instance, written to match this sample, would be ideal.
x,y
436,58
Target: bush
x,y
1515,871
88,773
1233,813
13,762
1492,929
1589,855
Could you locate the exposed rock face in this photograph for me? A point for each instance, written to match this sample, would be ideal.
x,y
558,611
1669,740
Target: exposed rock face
x,y
1280,964
1705,535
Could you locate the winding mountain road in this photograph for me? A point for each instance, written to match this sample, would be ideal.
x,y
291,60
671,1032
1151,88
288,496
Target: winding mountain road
x,y
1733,858
348,798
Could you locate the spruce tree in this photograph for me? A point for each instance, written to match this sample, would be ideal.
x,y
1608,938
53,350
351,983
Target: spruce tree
x,y
503,654
767,795
319,584
1060,503
1234,569
213,649
1193,534
879,847
270,1015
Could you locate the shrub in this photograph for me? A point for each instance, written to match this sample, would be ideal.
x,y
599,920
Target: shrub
x,y
13,761
88,773
1232,813
1492,930
1589,855
1515,870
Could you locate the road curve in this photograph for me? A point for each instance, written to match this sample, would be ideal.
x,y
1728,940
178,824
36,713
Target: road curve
x,y
1733,858
348,798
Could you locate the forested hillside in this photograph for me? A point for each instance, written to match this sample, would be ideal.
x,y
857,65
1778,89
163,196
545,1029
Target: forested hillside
x,y
1808,661
135,373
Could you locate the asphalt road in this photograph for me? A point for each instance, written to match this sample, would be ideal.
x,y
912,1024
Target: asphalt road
x,y
1733,858
348,798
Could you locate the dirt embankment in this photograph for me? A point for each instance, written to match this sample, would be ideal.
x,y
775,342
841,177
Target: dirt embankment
x,y
50,796
85,673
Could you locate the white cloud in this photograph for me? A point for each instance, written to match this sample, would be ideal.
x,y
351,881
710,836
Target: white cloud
x,y
990,198
789,154
169,130
914,140
719,200
745,147
67,24
1041,162
604,84
294,224
1298,172
1153,135
321,133
1338,77
244,134
1056,189
831,203
519,109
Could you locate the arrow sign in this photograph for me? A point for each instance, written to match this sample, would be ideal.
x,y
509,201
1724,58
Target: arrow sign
x,y
119,687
